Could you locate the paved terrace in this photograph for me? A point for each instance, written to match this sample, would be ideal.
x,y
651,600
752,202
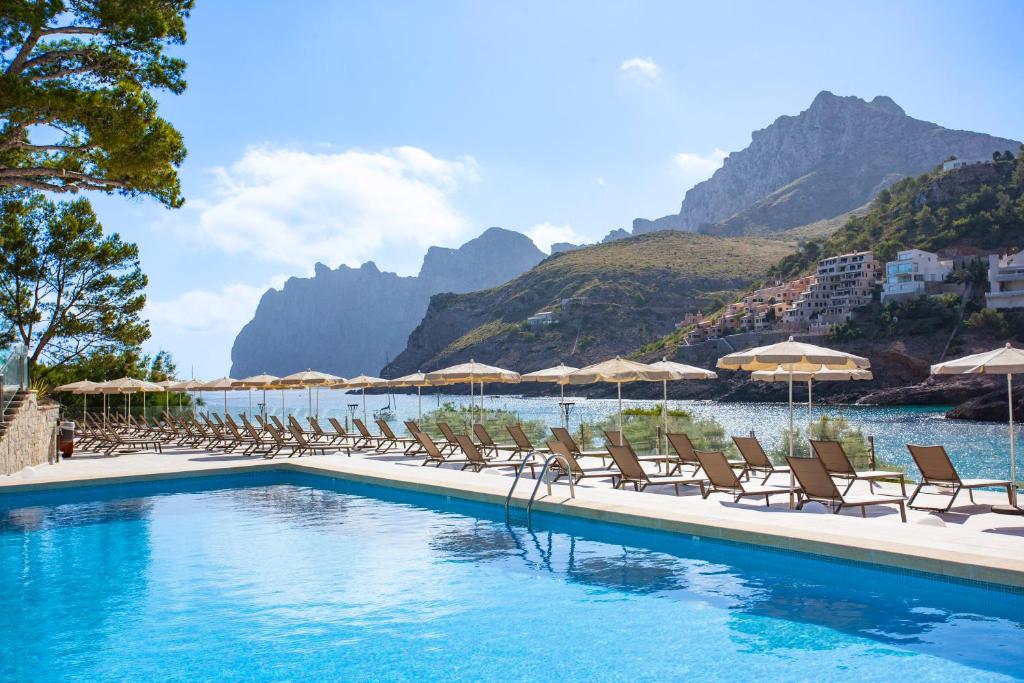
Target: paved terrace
x,y
968,542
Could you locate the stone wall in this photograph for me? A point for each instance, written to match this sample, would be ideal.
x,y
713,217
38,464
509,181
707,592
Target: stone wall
x,y
30,437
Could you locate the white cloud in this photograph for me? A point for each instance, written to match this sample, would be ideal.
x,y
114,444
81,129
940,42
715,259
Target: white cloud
x,y
202,311
601,181
297,207
696,167
641,69
546,234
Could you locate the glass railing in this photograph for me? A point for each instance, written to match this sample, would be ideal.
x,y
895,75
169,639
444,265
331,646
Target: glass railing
x,y
14,371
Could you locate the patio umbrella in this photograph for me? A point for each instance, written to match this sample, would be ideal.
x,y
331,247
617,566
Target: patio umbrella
x,y
224,384
619,370
188,385
822,374
559,375
129,386
83,387
1005,361
263,382
309,379
685,372
167,384
418,380
361,382
473,372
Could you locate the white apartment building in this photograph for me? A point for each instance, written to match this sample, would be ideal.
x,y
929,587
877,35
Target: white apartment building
x,y
1005,281
908,276
842,284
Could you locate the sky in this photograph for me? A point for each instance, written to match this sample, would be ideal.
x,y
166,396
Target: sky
x,y
345,132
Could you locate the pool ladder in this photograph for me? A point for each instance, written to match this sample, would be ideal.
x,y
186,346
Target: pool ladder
x,y
544,474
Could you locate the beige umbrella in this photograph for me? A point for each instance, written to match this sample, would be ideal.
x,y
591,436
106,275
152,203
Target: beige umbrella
x,y
188,385
310,379
822,374
1005,361
559,375
224,384
362,382
83,387
418,380
619,370
167,384
129,386
473,372
263,382
685,372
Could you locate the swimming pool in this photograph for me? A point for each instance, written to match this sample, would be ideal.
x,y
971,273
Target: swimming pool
x,y
283,575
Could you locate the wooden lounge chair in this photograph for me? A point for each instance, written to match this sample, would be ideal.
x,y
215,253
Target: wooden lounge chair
x,y
278,425
937,470
816,484
631,471
757,460
686,454
575,471
115,441
617,438
451,443
477,462
838,464
392,440
522,442
487,444
365,439
563,435
722,478
348,439
303,445
434,455
321,436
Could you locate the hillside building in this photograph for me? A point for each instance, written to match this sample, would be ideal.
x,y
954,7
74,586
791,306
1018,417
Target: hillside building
x,y
761,309
915,273
1005,281
842,284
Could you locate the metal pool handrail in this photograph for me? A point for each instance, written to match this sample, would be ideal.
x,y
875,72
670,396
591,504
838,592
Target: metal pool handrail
x,y
543,477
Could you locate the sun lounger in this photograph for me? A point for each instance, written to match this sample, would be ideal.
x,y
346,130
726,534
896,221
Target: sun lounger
x,y
631,471
522,442
722,478
348,439
563,435
937,470
816,485
835,460
575,471
392,440
477,462
755,457
434,455
617,438
451,443
487,444
303,445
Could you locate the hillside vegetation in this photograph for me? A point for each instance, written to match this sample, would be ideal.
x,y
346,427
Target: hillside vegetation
x,y
981,206
608,299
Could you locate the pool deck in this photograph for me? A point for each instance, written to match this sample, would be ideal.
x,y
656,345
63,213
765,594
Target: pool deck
x,y
969,542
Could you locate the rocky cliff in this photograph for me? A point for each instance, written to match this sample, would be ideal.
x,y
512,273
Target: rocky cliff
x,y
349,321
829,159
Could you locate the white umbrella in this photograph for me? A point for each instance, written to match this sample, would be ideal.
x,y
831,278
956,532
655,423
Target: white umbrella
x,y
129,385
224,384
309,379
83,387
559,375
685,372
1004,361
361,382
473,372
822,374
418,380
259,382
620,370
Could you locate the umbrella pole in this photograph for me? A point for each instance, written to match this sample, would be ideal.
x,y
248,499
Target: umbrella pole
x,y
561,406
810,414
364,404
318,403
225,404
309,400
419,403
128,407
1013,463
264,404
792,502
622,437
664,414
282,403
143,405
85,405
250,401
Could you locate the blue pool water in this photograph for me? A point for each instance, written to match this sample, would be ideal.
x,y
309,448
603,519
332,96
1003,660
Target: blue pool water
x,y
281,576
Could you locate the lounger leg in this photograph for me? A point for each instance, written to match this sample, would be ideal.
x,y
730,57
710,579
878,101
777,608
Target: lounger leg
x,y
917,490
970,494
677,489
863,510
903,512
903,486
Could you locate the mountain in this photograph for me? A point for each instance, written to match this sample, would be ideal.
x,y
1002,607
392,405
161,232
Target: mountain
x,y
606,299
349,321
828,160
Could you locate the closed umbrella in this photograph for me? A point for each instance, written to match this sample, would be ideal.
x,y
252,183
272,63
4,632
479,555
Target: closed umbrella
x,y
1004,361
418,380
620,370
473,372
361,382
263,382
559,375
309,379
685,372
